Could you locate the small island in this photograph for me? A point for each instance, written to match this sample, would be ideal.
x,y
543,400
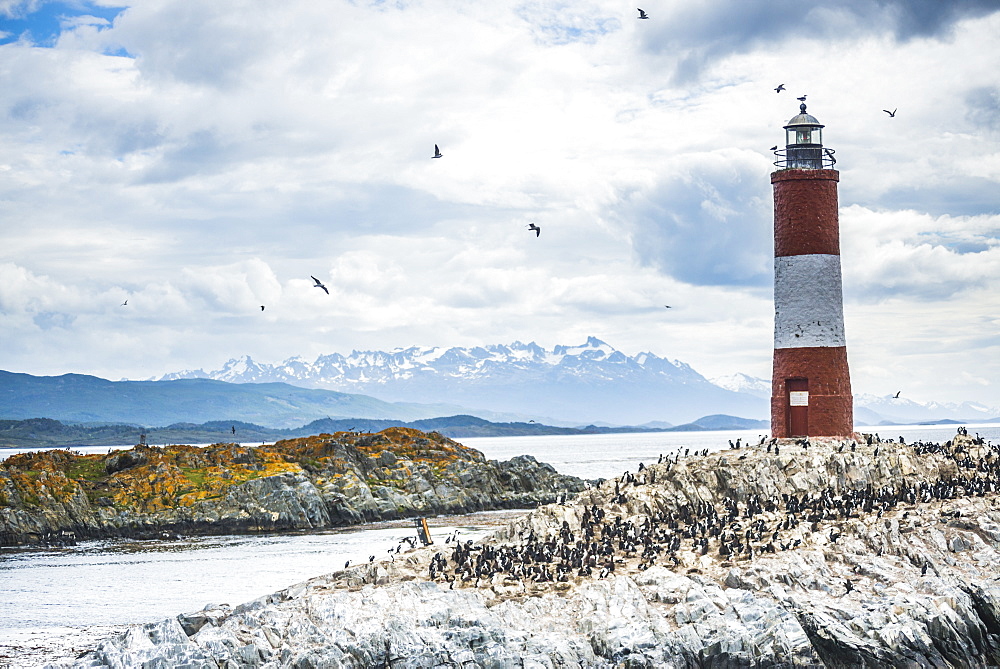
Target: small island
x,y
322,481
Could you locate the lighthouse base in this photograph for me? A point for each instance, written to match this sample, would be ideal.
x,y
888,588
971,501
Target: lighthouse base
x,y
811,393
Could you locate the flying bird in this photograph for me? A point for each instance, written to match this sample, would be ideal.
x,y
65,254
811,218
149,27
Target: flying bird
x,y
538,230
802,99
896,396
262,307
319,284
892,114
642,14
437,152
125,303
774,148
668,306
780,88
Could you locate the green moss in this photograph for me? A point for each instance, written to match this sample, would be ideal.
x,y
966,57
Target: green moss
x,y
196,476
87,468
94,495
29,498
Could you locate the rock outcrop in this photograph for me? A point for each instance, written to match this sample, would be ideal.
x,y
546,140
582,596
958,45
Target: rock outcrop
x,y
835,555
314,482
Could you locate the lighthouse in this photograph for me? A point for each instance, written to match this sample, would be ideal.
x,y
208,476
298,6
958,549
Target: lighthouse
x,y
811,384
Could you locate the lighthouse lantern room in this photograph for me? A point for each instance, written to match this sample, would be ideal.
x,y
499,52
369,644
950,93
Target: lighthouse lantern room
x,y
804,142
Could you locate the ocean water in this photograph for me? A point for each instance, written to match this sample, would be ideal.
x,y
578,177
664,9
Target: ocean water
x,y
56,603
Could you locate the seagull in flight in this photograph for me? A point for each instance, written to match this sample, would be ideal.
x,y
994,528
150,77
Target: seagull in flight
x,y
318,284
125,303
538,230
642,14
774,148
437,152
668,306
892,114
802,99
780,88
896,396
262,307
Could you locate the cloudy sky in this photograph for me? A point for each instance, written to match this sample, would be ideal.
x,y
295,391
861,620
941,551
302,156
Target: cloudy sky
x,y
201,159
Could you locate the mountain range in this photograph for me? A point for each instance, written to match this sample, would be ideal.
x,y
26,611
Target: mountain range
x,y
568,386
572,385
592,383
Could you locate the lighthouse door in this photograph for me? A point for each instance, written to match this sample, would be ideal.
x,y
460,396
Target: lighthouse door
x,y
798,407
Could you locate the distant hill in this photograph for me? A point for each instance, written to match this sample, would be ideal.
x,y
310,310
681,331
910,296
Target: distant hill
x,y
82,399
49,433
723,422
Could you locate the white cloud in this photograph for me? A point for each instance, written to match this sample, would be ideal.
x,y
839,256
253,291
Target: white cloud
x,y
220,156
928,258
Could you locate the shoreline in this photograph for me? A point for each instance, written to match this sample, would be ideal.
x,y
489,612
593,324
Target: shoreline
x,y
33,647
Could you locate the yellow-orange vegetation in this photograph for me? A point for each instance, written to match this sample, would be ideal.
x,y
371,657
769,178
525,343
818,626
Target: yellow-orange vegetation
x,y
156,478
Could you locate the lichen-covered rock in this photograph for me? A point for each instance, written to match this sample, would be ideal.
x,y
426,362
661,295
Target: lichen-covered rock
x,y
307,483
821,556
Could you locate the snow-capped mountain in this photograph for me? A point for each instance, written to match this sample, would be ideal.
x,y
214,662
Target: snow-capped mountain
x,y
589,383
742,383
891,409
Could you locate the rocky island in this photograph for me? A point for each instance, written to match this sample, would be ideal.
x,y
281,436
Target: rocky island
x,y
323,481
821,553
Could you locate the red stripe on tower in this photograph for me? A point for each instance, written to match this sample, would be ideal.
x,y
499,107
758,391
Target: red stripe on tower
x,y
811,384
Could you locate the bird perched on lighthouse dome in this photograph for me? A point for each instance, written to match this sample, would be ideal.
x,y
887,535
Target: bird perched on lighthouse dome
x,y
804,141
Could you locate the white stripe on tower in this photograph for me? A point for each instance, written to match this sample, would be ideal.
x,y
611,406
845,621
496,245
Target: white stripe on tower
x,y
808,301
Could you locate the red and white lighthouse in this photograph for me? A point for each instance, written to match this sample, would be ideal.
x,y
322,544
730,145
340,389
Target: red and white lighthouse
x,y
811,385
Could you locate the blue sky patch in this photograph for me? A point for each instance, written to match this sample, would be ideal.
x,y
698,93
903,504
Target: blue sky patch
x,y
43,26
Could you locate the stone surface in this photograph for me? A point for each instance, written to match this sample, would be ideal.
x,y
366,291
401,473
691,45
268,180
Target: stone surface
x,y
881,555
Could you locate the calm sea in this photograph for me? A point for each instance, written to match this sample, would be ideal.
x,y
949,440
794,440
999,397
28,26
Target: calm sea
x,y
55,603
